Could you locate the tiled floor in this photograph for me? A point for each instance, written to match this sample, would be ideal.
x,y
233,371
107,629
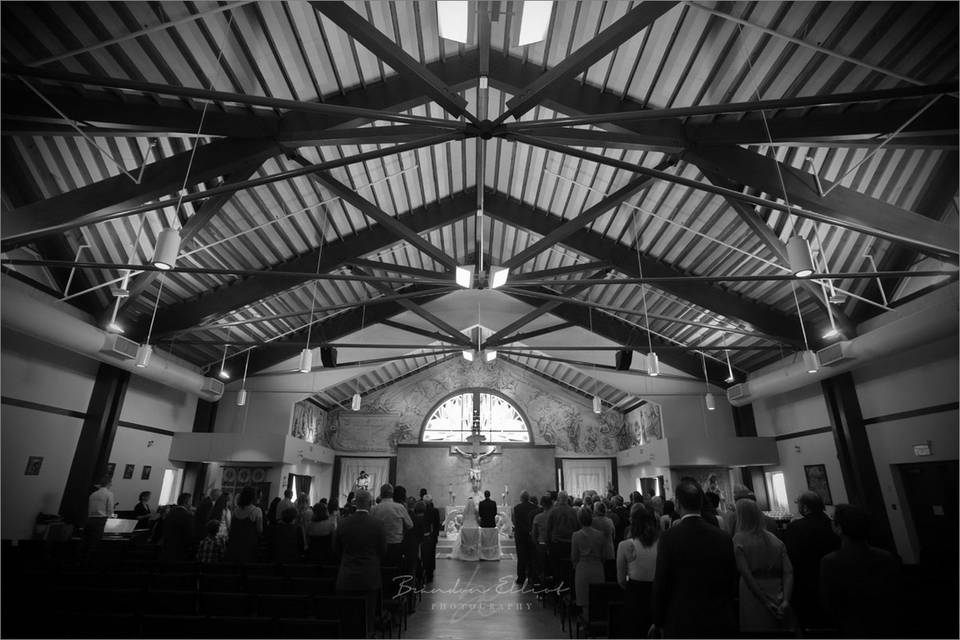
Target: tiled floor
x,y
480,600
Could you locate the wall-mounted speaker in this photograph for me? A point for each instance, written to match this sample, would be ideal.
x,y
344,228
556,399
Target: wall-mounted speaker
x,y
328,356
624,359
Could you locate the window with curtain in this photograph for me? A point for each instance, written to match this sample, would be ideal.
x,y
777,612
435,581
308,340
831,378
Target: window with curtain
x,y
500,420
586,475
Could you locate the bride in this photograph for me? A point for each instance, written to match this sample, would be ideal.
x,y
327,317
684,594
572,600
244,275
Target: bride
x,y
468,544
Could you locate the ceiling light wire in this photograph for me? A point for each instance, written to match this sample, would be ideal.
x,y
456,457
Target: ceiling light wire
x,y
643,286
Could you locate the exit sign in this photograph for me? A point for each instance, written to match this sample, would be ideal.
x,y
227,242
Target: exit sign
x,y
921,449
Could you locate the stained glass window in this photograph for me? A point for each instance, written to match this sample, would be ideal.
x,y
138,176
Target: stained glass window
x,y
500,421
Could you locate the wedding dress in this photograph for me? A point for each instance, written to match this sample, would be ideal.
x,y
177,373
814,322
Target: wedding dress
x,y
468,544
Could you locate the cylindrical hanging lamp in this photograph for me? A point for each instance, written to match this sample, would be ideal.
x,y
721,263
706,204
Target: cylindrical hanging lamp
x,y
710,401
241,397
653,364
306,361
168,246
355,403
597,405
798,253
143,355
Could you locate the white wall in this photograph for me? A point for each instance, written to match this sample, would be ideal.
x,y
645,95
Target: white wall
x,y
132,446
36,372
687,416
156,405
264,412
904,382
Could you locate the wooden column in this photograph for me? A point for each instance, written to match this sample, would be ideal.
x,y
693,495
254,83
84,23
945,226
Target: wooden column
x,y
203,422
92,454
856,459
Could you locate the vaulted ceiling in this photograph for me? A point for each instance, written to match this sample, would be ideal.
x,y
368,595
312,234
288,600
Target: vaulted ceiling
x,y
330,164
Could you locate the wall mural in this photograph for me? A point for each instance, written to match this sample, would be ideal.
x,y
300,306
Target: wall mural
x,y
308,422
395,414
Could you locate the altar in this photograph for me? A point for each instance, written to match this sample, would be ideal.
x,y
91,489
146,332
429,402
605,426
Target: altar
x,y
474,544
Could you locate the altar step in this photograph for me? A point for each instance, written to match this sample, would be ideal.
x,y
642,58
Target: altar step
x,y
508,548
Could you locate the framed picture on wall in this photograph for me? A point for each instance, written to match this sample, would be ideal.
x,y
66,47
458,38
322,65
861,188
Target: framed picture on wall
x,y
33,466
145,474
128,471
817,481
111,467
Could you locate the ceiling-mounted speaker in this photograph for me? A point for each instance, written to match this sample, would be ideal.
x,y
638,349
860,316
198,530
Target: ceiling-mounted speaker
x,y
624,359
328,356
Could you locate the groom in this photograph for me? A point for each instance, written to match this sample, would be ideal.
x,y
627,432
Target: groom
x,y
488,511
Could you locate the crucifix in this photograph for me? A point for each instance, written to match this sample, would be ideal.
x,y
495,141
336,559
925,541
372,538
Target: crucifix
x,y
475,456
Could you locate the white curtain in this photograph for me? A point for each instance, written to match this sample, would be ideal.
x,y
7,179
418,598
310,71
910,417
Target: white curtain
x,y
377,468
586,475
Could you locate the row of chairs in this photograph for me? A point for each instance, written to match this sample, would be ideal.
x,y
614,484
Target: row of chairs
x,y
203,582
348,612
122,625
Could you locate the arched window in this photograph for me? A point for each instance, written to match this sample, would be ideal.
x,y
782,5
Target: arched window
x,y
451,419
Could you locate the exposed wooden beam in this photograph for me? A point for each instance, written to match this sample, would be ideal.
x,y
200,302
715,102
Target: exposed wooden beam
x,y
322,332
573,225
559,271
333,255
765,319
398,268
102,110
520,337
541,309
632,337
843,206
102,200
453,334
634,21
194,224
433,335
369,209
779,249
302,131
853,125
358,28
327,108
630,114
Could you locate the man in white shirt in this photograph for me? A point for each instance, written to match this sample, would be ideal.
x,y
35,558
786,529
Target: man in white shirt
x,y
395,520
99,508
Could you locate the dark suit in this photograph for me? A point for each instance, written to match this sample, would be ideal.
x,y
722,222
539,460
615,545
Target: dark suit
x,y
696,581
488,513
201,516
428,549
522,519
361,543
808,540
178,535
859,591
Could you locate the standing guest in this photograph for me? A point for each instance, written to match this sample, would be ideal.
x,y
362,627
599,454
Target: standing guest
x,y
623,516
272,511
729,519
428,550
99,507
212,549
287,538
766,575
711,502
333,510
320,531
412,538
350,505
178,534
304,515
488,511
858,583
422,493
561,523
142,510
669,515
361,543
394,519
602,522
636,563
202,515
286,503
589,549
221,512
538,533
808,540
419,517
635,497
246,526
522,521
695,582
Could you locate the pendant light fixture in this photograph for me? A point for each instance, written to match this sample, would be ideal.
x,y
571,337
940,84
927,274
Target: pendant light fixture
x,y
168,246
810,360
242,394
708,398
356,400
224,374
355,403
653,362
798,254
597,403
145,351
730,377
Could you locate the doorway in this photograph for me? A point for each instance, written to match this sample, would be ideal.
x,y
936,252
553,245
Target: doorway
x,y
299,484
931,492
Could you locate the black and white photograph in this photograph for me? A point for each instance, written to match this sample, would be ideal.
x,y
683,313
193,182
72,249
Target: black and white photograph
x,y
480,318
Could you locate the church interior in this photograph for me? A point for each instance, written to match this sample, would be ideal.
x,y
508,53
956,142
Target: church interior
x,y
592,247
